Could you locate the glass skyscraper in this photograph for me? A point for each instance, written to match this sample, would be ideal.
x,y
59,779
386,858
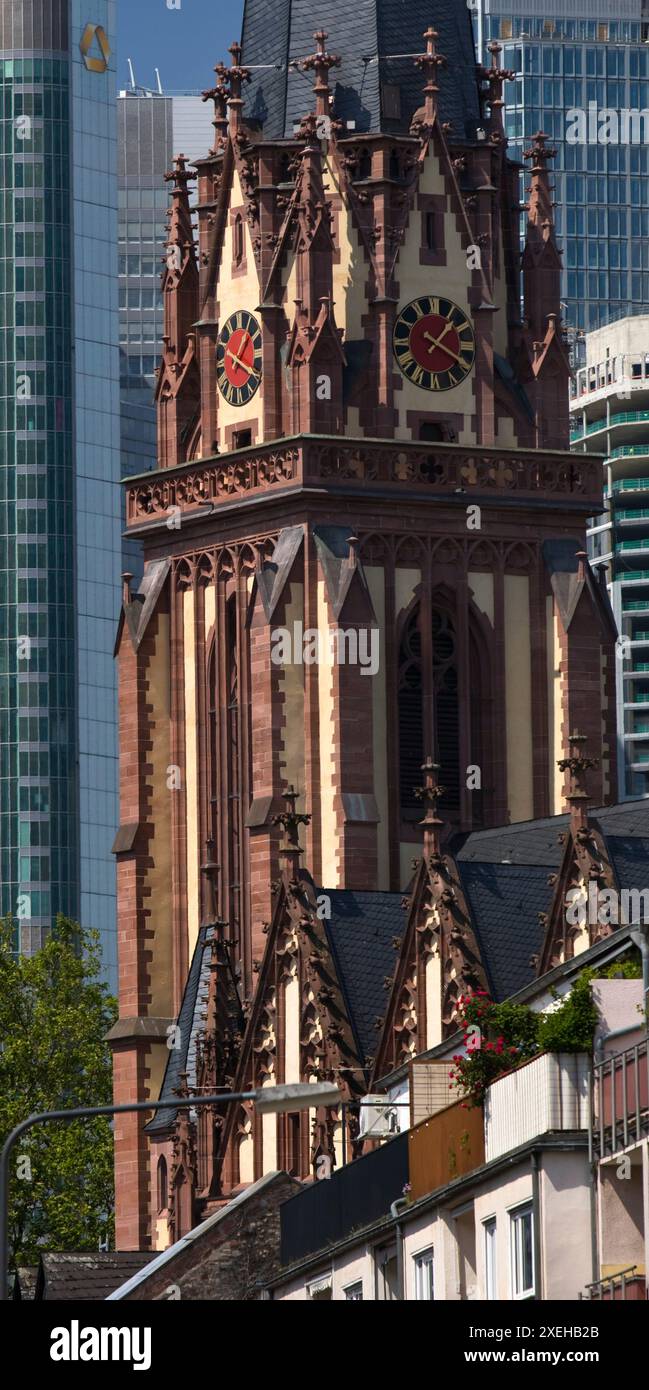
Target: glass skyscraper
x,y
567,54
59,466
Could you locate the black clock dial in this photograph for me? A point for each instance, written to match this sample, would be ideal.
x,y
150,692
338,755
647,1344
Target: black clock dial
x,y
434,343
238,358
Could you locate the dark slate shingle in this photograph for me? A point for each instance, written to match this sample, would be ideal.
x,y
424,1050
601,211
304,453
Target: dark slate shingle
x,y
505,900
189,1021
360,932
363,34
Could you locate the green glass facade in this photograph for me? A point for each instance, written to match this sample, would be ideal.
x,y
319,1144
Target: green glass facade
x,y
60,538
38,753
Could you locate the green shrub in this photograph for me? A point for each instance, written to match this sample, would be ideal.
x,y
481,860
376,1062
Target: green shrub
x,y
570,1027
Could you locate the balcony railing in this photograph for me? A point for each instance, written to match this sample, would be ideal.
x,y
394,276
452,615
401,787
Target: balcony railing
x,y
347,464
620,1104
629,451
448,1145
549,1092
353,1197
626,1284
631,485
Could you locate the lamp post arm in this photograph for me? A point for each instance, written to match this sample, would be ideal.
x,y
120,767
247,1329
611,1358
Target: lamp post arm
x,y
82,1113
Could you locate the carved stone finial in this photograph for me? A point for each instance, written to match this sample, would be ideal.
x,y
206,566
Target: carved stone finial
x,y
430,792
235,76
495,78
540,206
290,821
180,174
429,62
577,765
210,871
320,62
219,95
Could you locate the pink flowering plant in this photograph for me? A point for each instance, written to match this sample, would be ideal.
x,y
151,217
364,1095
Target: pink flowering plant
x,y
497,1037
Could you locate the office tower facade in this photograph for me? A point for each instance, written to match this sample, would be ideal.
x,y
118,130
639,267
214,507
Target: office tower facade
x,y
152,128
572,56
610,416
59,467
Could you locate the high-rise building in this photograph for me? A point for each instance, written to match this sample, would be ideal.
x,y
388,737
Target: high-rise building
x,y
59,465
610,416
574,61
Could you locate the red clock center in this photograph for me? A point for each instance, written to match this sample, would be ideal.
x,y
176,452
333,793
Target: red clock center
x,y
239,357
434,343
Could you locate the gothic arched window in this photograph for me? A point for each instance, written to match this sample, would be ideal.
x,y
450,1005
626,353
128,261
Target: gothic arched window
x,y
237,240
429,711
234,750
162,1184
411,713
447,709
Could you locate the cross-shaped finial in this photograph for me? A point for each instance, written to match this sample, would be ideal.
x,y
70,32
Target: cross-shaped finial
x,y
290,821
577,765
210,871
321,62
495,77
219,95
430,792
235,76
429,62
180,174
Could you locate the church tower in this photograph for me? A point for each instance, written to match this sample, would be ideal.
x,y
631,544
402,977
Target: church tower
x,y
364,545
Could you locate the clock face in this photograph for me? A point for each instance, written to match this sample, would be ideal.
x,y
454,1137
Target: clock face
x,y
238,358
434,343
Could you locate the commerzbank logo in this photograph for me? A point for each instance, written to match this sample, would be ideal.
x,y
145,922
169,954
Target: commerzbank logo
x,y
94,37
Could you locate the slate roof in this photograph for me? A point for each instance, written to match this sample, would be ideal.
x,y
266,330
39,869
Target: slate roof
x,y
360,933
537,841
505,900
363,33
87,1276
189,1020
504,875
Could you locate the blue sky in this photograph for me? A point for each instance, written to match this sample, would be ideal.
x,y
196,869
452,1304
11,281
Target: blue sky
x,y
184,42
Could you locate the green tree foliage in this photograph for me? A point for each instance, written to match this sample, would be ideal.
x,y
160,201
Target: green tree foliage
x,y
54,1014
571,1026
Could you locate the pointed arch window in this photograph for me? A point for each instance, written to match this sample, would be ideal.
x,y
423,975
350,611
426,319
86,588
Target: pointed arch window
x,y
162,1184
430,700
237,240
233,760
224,772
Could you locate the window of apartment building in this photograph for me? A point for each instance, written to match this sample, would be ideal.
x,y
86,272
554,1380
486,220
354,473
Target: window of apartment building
x,y
387,1274
424,1276
354,1292
320,1290
522,1252
489,1228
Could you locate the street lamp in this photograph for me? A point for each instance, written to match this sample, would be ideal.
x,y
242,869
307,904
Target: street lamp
x,y
267,1100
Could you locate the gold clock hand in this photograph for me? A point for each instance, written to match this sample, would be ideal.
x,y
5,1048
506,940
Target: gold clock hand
x,y
240,363
437,342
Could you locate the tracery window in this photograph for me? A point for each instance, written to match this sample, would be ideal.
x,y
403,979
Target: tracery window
x,y
429,680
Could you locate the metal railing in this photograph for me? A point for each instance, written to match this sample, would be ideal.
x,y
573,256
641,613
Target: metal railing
x,y
619,1113
607,1288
